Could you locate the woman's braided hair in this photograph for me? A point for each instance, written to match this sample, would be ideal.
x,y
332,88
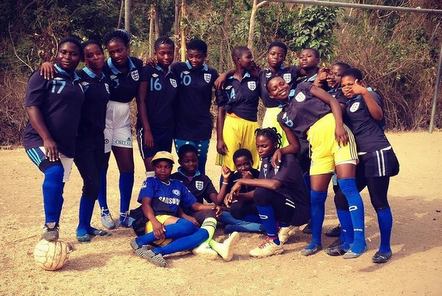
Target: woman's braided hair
x,y
270,133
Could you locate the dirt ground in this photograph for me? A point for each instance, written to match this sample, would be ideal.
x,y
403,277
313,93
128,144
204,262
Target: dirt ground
x,y
107,266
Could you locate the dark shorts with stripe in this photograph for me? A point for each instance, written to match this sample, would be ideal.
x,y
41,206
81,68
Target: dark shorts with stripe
x,y
380,163
162,138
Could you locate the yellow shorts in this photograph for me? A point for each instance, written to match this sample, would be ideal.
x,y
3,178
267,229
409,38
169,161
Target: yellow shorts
x,y
270,120
325,150
149,228
238,133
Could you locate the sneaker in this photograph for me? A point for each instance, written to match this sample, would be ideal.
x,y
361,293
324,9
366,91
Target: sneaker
x,y
351,255
311,250
286,232
147,253
382,257
106,219
307,229
50,231
125,221
226,248
336,250
267,248
204,250
334,232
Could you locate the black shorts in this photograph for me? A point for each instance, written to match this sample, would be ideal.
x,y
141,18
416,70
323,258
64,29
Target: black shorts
x,y
380,163
162,138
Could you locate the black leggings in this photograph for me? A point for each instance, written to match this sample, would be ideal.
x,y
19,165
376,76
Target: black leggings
x,y
377,188
242,208
266,197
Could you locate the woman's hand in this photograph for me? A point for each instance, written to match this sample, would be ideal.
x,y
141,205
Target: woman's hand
x,y
341,135
225,172
148,139
51,149
228,199
276,158
47,70
158,230
221,147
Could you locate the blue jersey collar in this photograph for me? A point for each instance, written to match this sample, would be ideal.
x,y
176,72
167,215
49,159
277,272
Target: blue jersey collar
x,y
115,70
246,75
189,66
181,171
91,73
63,72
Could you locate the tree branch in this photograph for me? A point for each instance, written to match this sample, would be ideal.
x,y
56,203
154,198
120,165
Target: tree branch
x,y
15,51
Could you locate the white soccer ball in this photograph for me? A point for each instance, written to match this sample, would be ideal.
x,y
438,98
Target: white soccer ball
x,y
52,255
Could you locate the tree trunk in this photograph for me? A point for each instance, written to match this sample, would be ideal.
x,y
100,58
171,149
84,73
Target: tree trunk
x,y
121,14
127,5
183,31
176,26
256,5
151,29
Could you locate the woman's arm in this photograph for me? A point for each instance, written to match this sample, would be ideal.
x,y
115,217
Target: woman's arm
x,y
340,133
220,145
271,184
373,107
292,148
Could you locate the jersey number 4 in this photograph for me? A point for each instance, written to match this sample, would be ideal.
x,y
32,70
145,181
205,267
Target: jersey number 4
x,y
57,86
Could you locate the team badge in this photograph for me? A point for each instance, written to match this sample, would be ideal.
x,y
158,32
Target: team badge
x,y
300,97
251,85
134,75
173,82
287,77
107,88
176,192
354,107
199,185
207,77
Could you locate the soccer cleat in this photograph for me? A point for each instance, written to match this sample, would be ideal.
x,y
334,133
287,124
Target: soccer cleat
x,y
146,253
307,229
286,232
382,257
311,250
334,232
106,219
50,231
267,248
225,249
125,220
204,250
351,255
336,250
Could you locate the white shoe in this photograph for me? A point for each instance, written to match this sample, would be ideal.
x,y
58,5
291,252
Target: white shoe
x,y
267,248
204,250
106,219
286,232
225,250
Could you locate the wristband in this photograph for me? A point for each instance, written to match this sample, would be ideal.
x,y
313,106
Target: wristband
x,y
225,183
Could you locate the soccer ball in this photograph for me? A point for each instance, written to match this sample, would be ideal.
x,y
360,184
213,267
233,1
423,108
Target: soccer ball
x,y
160,242
52,255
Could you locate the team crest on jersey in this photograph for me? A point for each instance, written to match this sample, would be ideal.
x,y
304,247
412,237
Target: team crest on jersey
x,y
176,192
199,185
207,77
300,97
251,85
354,107
135,76
107,88
287,77
173,82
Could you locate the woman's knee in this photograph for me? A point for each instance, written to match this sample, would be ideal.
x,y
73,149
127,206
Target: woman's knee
x,y
262,196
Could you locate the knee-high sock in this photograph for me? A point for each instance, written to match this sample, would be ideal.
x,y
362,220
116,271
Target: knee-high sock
x,y
346,228
317,211
209,224
268,220
102,194
356,207
53,193
126,185
85,215
184,243
385,220
181,228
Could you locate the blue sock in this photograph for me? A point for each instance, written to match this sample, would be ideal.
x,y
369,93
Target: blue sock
x,y
185,243
252,218
85,215
306,177
317,211
385,220
268,220
346,228
53,193
179,229
356,207
126,185
102,194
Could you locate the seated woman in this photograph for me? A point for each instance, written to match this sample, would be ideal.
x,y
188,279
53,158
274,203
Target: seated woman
x,y
280,196
162,200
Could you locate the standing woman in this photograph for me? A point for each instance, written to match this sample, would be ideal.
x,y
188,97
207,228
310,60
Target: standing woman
x,y
378,162
54,107
124,73
89,153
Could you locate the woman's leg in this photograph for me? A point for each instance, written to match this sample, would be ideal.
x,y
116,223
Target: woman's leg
x,y
125,162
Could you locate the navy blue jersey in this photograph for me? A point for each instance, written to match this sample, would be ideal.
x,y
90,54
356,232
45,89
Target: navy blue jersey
x,y
368,132
199,185
124,86
166,198
162,89
59,101
240,97
289,74
290,175
303,110
193,118
93,112
237,175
